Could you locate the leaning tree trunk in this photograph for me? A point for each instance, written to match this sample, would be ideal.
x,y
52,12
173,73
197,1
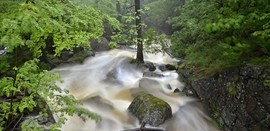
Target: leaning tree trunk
x,y
139,58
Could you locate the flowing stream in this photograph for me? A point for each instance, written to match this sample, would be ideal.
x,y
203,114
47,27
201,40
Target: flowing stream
x,y
108,82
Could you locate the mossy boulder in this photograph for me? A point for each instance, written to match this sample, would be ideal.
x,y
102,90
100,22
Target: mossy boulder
x,y
149,109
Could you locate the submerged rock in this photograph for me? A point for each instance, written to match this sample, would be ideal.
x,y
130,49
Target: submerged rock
x,y
150,109
152,74
149,84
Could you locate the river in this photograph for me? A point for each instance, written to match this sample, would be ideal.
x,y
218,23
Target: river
x,y
108,82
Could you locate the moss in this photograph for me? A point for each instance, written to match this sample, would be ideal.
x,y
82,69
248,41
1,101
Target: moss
x,y
132,61
78,58
216,114
232,90
150,110
267,83
260,61
236,78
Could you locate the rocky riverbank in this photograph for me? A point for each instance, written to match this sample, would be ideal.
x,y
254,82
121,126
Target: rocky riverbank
x,y
238,98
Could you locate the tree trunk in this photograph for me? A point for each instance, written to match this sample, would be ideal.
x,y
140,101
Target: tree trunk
x,y
119,11
139,58
97,4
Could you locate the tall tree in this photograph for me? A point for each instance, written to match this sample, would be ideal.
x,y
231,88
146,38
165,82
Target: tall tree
x,y
139,42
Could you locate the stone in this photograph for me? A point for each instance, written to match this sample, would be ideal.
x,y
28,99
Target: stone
x,y
176,90
148,83
151,67
149,109
65,55
145,129
237,97
170,67
152,74
167,67
100,45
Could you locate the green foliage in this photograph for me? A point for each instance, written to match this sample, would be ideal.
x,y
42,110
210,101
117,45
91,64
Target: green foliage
x,y
27,30
212,35
34,85
107,6
267,83
155,41
67,24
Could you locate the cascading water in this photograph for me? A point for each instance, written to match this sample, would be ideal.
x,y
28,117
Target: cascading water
x,y
107,83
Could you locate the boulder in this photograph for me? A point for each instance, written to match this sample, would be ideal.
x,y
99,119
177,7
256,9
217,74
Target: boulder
x,y
65,55
149,109
100,45
151,67
167,67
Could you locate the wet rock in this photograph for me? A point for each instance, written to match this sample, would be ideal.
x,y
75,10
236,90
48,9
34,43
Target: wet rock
x,y
2,51
145,129
170,67
169,86
68,57
42,121
151,67
150,110
65,55
184,76
253,72
176,90
167,67
100,45
152,74
148,83
237,98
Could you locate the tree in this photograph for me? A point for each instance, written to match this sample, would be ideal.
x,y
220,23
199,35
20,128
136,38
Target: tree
x,y
139,41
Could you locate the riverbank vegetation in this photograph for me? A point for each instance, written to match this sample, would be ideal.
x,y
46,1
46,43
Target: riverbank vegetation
x,y
217,34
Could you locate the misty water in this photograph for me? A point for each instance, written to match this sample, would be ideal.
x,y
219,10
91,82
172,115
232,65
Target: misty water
x,y
108,82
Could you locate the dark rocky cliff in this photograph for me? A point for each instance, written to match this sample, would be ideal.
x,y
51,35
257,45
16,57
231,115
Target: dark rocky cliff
x,y
238,98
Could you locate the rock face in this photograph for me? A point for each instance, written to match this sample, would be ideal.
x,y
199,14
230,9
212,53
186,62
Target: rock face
x,y
238,98
150,110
